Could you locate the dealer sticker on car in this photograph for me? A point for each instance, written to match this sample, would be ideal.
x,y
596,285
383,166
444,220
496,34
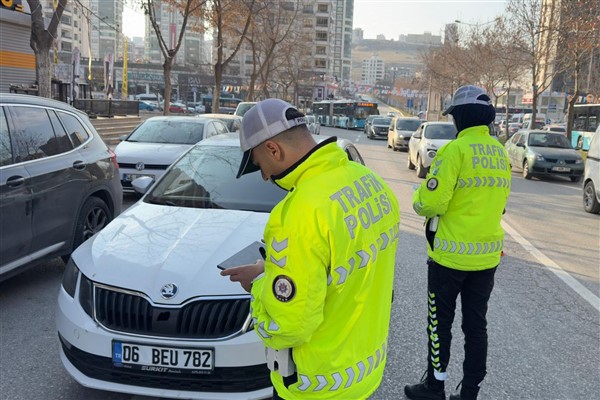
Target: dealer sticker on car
x,y
163,359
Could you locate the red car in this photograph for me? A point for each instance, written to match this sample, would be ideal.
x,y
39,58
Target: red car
x,y
178,108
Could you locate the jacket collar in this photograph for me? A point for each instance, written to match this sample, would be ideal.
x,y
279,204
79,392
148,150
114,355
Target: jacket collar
x,y
478,130
320,155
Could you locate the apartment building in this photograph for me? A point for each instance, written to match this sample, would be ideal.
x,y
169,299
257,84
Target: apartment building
x,y
373,70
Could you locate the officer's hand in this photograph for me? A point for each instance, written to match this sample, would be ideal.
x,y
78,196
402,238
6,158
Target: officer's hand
x,y
245,274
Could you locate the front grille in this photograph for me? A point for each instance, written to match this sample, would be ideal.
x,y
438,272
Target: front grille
x,y
222,379
201,319
146,166
555,160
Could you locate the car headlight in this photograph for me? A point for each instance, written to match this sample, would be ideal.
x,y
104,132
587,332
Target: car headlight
x,y
70,277
86,295
431,153
580,161
539,157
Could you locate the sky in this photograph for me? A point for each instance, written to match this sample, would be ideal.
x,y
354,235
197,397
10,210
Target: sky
x,y
390,18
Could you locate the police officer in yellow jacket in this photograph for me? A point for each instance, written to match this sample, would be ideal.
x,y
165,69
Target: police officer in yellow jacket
x,y
463,198
321,300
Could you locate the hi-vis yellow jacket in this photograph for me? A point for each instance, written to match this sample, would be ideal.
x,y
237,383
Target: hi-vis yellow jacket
x,y
329,271
467,188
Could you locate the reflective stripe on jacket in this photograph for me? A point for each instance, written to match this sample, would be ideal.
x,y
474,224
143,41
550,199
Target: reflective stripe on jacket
x,y
467,186
329,271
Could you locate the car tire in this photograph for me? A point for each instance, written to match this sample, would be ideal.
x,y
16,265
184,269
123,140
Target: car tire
x,y
94,216
421,170
409,164
590,202
526,173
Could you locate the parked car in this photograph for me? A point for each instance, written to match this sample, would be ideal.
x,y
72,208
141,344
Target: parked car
x,y
59,183
424,143
157,142
146,106
400,131
538,125
178,108
591,176
379,128
143,309
313,125
368,121
243,107
233,122
541,153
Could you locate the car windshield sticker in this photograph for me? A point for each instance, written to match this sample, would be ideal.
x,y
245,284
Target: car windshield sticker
x,y
432,184
284,288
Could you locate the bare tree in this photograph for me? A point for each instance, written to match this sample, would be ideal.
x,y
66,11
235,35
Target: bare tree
x,y
224,17
534,24
579,38
41,42
188,9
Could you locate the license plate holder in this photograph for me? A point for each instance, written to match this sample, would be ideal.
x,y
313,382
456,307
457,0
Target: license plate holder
x,y
131,177
163,359
561,169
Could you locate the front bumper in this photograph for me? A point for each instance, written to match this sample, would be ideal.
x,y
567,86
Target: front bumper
x,y
239,372
548,168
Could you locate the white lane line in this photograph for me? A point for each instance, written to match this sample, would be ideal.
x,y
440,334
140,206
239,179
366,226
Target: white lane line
x,y
581,290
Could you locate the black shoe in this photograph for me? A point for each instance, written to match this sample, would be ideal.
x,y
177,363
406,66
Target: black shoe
x,y
423,391
466,393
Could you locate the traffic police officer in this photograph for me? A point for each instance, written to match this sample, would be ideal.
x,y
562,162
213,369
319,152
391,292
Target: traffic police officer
x,y
321,300
463,198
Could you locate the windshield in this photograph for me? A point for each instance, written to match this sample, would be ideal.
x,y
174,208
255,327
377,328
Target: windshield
x,y
242,108
408,124
168,131
446,131
205,178
548,140
382,121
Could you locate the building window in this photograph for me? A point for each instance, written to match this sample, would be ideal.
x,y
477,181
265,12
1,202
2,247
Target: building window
x,y
307,23
308,9
320,63
323,8
322,22
321,36
322,50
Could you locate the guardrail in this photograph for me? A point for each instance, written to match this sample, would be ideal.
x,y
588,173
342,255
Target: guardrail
x,y
107,108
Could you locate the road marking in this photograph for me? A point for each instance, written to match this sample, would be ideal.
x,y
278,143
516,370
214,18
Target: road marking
x,y
581,290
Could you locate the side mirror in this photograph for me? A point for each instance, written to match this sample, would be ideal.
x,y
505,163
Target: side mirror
x,y
142,184
122,137
520,145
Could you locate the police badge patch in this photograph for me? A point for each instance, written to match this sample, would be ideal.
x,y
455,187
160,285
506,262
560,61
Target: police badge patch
x,y
432,184
284,288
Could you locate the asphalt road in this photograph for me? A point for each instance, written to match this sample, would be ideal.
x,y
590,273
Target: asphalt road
x,y
543,317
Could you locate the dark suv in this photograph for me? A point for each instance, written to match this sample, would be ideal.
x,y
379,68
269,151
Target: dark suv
x,y
59,183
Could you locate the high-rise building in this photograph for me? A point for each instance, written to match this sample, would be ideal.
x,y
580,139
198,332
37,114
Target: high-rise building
x,y
191,52
373,70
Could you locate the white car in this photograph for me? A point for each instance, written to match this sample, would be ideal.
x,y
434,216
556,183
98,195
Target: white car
x,y
313,125
591,176
401,129
157,142
143,309
424,143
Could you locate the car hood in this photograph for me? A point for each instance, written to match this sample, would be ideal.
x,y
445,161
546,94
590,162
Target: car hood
x,y
149,246
405,133
149,153
550,152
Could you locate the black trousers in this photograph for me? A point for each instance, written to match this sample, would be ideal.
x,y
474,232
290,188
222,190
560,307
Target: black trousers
x,y
444,286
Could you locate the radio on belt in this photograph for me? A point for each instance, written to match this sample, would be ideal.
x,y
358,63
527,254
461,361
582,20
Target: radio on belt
x,y
280,361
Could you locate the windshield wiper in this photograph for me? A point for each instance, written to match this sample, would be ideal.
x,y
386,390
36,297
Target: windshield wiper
x,y
161,202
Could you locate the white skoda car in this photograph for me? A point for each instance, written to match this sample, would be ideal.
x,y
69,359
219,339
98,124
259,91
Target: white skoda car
x,y
143,309
425,142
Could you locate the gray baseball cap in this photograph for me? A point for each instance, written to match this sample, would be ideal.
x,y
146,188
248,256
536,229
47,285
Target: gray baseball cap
x,y
262,122
469,94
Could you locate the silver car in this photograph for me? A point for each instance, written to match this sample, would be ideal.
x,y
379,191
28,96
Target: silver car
x,y
158,141
424,143
313,125
401,129
591,176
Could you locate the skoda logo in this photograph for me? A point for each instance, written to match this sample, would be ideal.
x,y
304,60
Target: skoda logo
x,y
140,166
168,291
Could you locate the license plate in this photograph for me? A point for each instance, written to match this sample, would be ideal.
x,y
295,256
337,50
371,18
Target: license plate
x,y
163,359
561,169
131,177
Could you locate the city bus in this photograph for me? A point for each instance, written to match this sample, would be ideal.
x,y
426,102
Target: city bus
x,y
227,105
586,118
349,114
